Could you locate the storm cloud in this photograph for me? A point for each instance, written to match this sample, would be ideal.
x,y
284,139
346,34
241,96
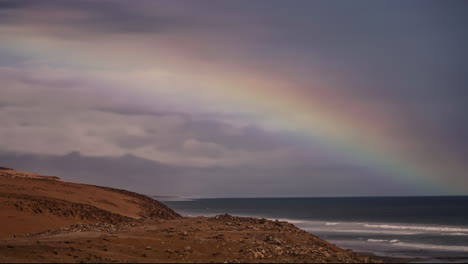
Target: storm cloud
x,y
175,93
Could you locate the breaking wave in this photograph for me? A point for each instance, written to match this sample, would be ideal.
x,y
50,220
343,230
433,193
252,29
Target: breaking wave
x,y
424,228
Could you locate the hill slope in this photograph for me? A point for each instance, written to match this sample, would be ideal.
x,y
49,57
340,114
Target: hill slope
x,y
44,219
31,203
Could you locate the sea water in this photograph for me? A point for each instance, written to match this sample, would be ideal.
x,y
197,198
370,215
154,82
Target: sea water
x,y
434,228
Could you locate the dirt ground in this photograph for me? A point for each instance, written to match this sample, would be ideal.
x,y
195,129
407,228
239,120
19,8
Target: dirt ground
x,y
44,219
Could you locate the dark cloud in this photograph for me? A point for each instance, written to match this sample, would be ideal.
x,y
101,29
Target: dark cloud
x,y
137,111
204,127
154,178
248,138
96,16
115,172
405,59
13,4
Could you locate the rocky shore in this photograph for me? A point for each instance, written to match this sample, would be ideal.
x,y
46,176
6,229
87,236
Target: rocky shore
x,y
97,231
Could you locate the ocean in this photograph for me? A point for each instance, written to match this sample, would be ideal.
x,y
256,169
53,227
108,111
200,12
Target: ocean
x,y
433,228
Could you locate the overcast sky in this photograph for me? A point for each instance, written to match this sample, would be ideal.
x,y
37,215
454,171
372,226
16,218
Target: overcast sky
x,y
238,98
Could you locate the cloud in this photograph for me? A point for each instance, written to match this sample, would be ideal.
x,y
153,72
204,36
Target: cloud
x,y
156,178
12,4
192,84
48,112
102,17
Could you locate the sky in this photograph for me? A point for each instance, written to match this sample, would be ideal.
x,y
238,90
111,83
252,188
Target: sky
x,y
238,98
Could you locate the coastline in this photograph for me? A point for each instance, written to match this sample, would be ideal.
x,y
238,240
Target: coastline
x,y
357,223
49,220
217,239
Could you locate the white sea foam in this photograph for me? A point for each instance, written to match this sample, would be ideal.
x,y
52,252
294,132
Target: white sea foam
x,y
360,231
291,220
383,240
432,247
296,221
374,228
377,240
424,228
455,234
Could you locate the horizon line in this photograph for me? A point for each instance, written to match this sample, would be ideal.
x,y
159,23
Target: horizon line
x,y
299,197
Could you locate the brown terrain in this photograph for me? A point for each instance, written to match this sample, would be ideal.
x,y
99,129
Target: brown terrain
x,y
44,219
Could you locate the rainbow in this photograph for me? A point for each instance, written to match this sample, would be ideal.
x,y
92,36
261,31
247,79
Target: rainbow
x,y
359,138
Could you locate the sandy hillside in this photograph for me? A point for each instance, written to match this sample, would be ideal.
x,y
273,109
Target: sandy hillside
x,y
43,219
31,203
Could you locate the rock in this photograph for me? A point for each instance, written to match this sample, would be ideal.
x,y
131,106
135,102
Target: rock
x,y
148,248
259,255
